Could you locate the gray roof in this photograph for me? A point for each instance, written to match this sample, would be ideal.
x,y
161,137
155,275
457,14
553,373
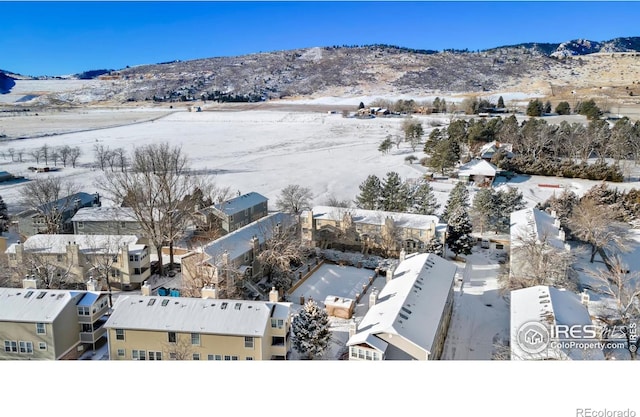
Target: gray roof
x,y
241,203
68,203
238,242
412,303
35,305
105,214
195,315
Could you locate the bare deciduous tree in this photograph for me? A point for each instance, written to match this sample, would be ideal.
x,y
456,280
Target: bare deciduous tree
x,y
157,186
282,247
74,155
593,223
41,194
294,199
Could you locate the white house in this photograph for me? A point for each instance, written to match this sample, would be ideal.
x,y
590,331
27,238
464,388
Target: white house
x,y
478,171
410,318
551,323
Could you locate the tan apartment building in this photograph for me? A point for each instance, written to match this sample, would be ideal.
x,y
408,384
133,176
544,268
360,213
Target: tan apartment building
x,y
368,230
73,259
38,324
177,328
410,316
232,257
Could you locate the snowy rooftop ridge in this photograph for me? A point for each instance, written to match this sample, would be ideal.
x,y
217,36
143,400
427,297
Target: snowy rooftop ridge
x,y
238,242
478,167
549,307
531,223
51,243
92,214
376,217
411,305
39,305
195,315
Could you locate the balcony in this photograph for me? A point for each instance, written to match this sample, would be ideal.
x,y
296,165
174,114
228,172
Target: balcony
x,y
92,337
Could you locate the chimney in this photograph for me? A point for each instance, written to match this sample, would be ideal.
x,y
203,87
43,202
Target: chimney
x,y
373,298
209,291
255,242
584,298
353,328
403,254
561,235
145,289
225,258
274,296
92,284
390,272
30,282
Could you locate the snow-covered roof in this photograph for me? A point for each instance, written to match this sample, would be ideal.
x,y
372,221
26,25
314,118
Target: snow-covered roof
x,y
195,315
375,217
535,224
65,203
411,305
550,307
34,305
45,243
478,167
491,148
239,242
105,214
241,203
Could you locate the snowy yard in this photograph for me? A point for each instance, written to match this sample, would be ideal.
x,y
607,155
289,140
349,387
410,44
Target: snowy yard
x,y
480,319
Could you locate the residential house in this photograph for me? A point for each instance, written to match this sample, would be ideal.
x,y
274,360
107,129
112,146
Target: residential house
x,y
489,150
367,230
178,328
76,258
233,256
32,221
38,324
478,171
548,323
106,221
237,212
531,226
411,315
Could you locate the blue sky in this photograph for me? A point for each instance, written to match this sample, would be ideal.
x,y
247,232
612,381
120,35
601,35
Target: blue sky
x,y
57,38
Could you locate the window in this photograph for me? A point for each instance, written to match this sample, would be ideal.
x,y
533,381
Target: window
x,y
83,311
130,258
40,329
196,356
80,225
155,356
135,354
10,346
218,357
248,342
249,358
86,328
26,347
42,346
234,358
136,271
277,341
172,355
195,339
227,357
209,357
280,323
142,355
59,258
119,334
172,337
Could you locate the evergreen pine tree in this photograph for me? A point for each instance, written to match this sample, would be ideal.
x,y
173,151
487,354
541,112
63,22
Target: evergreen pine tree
x,y
483,209
4,216
459,197
459,239
370,192
505,202
500,103
310,330
434,245
423,200
395,196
